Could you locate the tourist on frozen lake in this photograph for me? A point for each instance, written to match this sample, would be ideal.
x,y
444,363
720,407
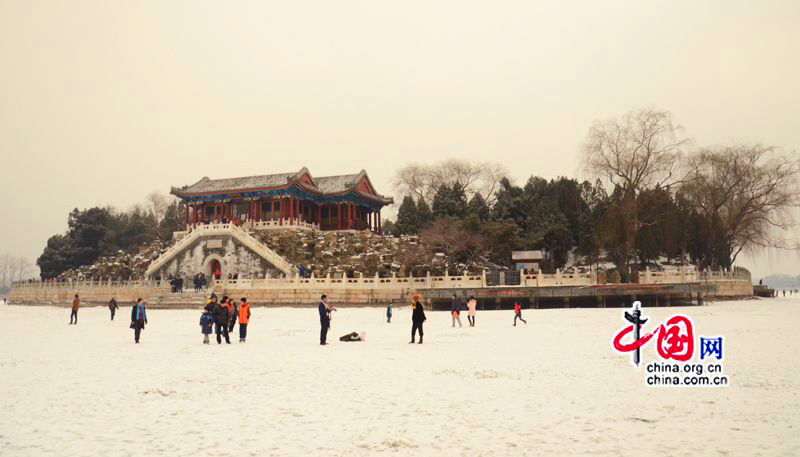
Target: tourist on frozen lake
x,y
233,309
244,319
222,317
324,320
417,318
518,314
389,313
138,319
212,304
76,304
206,325
471,305
113,307
455,310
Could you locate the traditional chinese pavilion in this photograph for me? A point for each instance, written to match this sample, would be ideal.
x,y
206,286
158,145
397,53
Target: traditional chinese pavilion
x,y
347,202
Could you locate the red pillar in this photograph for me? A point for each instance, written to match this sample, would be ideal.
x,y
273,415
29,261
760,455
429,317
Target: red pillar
x,y
319,216
194,215
185,215
339,216
379,222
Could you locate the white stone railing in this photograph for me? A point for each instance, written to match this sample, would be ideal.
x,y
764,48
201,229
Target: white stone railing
x,y
72,284
686,274
725,275
276,224
558,279
670,276
221,229
690,274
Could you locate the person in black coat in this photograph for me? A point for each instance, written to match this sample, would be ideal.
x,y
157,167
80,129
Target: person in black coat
x,y
221,319
324,320
113,307
417,318
138,319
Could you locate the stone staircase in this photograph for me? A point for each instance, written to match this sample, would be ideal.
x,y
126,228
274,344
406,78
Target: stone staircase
x,y
180,300
238,233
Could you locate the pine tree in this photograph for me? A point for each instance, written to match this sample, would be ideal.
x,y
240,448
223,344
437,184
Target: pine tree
x,y
407,218
424,215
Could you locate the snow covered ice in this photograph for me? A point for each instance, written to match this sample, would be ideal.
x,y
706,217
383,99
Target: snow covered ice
x,y
553,387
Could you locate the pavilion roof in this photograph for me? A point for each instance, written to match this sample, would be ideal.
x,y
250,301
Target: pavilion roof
x,y
323,185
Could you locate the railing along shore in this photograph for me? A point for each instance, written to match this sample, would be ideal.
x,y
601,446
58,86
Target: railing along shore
x,y
679,275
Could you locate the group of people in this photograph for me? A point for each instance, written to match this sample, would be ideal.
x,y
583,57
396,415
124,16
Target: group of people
x,y
138,314
200,282
175,284
455,310
223,317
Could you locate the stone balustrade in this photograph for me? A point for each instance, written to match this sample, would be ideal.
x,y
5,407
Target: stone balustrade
x,y
677,276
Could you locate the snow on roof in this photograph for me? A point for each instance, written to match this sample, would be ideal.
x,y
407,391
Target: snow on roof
x,y
247,182
332,184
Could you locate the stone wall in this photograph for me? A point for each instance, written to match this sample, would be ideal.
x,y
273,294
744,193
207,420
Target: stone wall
x,y
160,297
232,256
90,295
733,289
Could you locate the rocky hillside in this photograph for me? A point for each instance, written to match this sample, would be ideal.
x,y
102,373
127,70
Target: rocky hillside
x,y
322,253
351,253
120,266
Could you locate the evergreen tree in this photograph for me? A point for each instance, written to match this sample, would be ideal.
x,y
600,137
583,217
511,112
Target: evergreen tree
x,y
424,215
171,222
407,218
477,206
450,201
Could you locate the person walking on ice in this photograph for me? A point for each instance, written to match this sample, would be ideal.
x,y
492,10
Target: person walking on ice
x,y
138,319
455,310
113,307
471,305
389,313
518,314
417,318
244,319
76,304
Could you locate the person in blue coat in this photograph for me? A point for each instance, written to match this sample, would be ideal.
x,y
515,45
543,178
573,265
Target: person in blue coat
x,y
206,325
324,320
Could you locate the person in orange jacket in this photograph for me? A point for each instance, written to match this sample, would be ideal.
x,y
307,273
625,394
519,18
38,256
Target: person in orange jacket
x,y
76,304
244,319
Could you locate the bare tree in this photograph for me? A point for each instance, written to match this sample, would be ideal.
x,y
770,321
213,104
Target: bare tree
x,y
422,180
642,150
26,268
746,193
157,204
5,260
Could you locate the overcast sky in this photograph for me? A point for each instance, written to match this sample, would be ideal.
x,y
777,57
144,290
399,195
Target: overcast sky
x,y
103,102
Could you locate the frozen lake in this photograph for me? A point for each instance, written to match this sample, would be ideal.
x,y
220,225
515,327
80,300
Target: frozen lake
x,y
552,387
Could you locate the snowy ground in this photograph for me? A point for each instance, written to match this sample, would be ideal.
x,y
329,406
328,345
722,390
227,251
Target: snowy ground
x,y
553,387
